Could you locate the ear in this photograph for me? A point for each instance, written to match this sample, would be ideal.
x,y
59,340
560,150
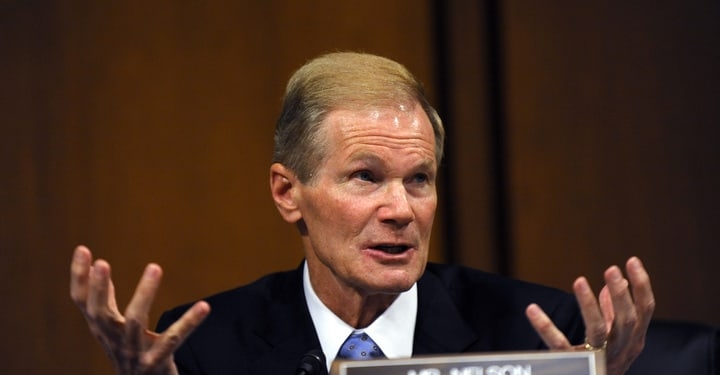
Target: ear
x,y
283,186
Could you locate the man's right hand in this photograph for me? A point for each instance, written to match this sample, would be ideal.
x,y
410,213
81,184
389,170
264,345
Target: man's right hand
x,y
132,348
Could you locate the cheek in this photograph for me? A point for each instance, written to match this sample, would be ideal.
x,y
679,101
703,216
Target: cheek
x,y
336,213
349,215
426,212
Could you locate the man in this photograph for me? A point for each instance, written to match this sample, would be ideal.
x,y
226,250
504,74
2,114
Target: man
x,y
357,148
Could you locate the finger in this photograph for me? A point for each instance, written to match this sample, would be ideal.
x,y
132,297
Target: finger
x,y
549,333
139,306
98,287
79,274
596,331
642,290
167,342
112,302
625,314
606,306
138,310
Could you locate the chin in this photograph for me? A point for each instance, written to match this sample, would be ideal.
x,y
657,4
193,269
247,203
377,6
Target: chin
x,y
394,283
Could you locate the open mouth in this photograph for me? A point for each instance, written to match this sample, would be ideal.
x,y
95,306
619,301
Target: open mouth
x,y
392,249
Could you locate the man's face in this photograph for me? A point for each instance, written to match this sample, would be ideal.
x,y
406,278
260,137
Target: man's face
x,y
369,208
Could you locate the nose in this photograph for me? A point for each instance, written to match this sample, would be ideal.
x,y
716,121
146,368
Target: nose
x,y
396,208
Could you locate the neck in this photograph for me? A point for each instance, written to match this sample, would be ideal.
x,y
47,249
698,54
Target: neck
x,y
355,307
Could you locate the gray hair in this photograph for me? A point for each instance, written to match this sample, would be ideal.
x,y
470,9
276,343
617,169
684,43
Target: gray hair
x,y
341,80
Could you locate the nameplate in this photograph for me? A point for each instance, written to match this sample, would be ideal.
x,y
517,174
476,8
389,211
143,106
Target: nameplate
x,y
503,363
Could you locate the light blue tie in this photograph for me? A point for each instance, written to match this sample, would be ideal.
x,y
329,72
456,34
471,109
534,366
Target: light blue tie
x,y
359,346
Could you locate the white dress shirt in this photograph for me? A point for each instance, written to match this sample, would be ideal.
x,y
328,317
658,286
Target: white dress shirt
x,y
393,331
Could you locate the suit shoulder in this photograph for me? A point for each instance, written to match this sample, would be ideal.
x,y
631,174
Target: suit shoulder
x,y
494,305
246,299
477,285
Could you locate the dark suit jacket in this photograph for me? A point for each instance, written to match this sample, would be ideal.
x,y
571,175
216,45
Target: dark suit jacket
x,y
265,327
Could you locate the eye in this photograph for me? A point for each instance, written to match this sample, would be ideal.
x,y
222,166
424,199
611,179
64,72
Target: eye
x,y
420,178
364,176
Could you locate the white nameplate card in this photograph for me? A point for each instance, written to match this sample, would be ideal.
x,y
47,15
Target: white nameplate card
x,y
502,363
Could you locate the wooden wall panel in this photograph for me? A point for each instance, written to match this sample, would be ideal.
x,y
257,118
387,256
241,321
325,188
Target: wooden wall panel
x,y
614,144
472,229
145,132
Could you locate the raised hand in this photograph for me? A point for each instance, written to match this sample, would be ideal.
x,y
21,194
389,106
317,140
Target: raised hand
x,y
617,320
132,348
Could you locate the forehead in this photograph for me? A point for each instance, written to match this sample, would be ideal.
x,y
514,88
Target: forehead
x,y
397,126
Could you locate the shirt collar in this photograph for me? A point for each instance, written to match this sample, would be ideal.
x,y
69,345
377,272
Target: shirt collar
x,y
393,331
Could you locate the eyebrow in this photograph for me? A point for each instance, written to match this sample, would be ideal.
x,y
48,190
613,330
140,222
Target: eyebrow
x,y
364,155
371,158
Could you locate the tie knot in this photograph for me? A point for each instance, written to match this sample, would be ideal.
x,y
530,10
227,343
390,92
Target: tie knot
x,y
359,346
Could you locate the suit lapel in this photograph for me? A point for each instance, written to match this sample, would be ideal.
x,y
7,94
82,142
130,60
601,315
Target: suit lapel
x,y
440,328
288,332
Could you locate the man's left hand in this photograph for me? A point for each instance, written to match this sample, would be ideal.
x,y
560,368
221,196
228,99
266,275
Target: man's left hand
x,y
617,320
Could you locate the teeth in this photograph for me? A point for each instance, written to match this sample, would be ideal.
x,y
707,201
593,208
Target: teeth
x,y
392,249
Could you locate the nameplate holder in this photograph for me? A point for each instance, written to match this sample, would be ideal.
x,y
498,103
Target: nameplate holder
x,y
501,363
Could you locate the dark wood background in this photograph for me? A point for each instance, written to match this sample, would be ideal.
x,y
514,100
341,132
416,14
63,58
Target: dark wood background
x,y
579,134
